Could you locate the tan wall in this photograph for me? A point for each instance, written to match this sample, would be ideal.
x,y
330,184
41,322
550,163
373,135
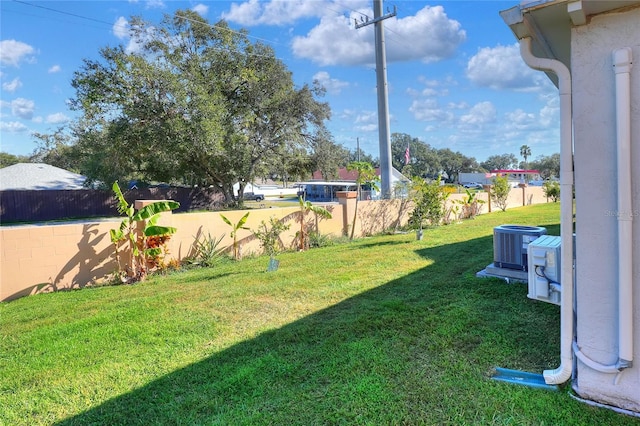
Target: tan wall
x,y
518,197
40,258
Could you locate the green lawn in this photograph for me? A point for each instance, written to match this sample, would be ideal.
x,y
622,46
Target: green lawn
x,y
383,330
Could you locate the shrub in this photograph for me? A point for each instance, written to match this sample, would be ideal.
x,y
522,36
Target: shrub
x,y
471,205
429,199
500,192
269,236
551,190
206,251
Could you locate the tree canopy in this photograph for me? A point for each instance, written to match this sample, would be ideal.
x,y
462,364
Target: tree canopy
x,y
500,162
196,104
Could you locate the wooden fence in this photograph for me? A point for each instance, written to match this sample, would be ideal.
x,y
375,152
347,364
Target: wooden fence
x,y
36,206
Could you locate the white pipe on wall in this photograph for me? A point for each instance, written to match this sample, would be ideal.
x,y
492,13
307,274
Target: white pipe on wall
x,y
622,63
563,372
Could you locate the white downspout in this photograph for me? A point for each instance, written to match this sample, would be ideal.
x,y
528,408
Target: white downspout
x,y
622,63
563,372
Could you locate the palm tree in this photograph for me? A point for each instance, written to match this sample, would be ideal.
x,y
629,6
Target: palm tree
x,y
525,152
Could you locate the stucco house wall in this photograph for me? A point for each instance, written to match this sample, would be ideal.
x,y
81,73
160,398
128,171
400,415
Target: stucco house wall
x,y
596,216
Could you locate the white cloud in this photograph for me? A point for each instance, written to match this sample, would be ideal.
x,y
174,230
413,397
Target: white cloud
x,y
335,42
12,86
428,36
22,108
430,110
154,4
13,52
57,118
54,69
121,28
12,126
479,114
201,9
332,85
277,12
520,119
367,121
367,127
502,67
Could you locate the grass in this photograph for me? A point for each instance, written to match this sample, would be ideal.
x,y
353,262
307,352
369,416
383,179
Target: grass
x,y
383,330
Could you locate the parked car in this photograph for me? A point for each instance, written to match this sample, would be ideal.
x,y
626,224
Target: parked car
x,y
470,185
252,196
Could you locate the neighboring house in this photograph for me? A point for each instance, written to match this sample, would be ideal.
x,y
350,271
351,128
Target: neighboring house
x,y
319,189
38,177
587,48
515,176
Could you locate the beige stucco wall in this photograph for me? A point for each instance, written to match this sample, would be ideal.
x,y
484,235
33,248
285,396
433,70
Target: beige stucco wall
x,y
596,220
40,258
518,197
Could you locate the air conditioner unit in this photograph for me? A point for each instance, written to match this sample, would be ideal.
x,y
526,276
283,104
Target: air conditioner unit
x,y
544,269
510,245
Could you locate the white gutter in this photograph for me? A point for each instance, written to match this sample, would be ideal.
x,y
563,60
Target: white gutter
x,y
563,372
622,63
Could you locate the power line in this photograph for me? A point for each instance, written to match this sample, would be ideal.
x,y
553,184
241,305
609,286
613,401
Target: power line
x,y
63,12
267,41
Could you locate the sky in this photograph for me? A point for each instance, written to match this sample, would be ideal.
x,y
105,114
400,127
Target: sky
x,y
455,76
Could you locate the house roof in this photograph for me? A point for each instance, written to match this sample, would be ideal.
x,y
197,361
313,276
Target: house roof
x,y
352,176
38,176
529,172
549,23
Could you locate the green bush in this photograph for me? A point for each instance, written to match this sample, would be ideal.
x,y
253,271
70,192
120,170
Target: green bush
x,y
500,192
551,190
269,236
429,201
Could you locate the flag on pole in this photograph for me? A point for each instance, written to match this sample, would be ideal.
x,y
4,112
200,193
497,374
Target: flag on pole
x,y
406,156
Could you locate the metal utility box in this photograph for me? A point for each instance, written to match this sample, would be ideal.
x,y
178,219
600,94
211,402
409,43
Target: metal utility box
x,y
510,245
544,269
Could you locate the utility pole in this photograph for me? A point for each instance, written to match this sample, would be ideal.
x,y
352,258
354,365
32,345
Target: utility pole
x,y
383,96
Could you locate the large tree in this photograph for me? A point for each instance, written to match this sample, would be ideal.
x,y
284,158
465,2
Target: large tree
x,y
500,162
197,103
453,163
423,160
7,159
327,156
547,165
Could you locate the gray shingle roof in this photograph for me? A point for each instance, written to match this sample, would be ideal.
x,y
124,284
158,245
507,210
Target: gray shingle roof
x,y
38,176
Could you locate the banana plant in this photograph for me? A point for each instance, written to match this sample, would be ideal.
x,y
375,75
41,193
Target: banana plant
x,y
471,205
306,206
129,231
234,233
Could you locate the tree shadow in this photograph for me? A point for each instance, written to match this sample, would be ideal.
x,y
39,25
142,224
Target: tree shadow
x,y
86,266
379,217
383,356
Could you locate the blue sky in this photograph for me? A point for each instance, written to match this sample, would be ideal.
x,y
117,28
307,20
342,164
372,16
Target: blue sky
x,y
455,76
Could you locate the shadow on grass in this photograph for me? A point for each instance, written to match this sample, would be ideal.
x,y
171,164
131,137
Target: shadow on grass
x,y
416,350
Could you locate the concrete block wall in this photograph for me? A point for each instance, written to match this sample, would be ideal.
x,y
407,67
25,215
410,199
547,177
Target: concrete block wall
x,y
41,258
